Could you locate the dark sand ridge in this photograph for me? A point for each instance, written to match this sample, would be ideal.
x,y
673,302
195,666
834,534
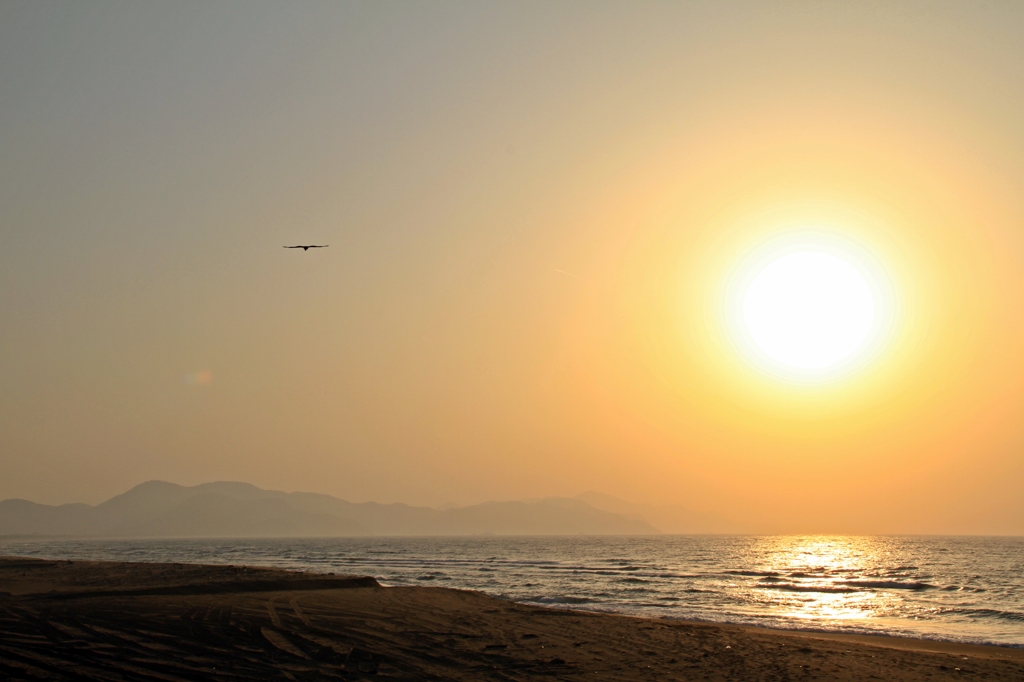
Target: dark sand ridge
x,y
138,621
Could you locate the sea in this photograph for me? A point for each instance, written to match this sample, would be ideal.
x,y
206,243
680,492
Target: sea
x,y
961,589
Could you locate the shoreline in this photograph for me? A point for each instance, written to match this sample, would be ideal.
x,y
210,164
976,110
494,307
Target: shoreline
x,y
900,642
896,642
721,617
866,637
800,631
90,620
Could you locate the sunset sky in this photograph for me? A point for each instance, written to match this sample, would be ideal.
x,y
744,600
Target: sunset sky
x,y
539,215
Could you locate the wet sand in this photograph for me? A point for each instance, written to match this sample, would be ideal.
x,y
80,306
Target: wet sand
x,y
136,621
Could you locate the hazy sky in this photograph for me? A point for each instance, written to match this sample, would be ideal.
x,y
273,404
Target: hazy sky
x,y
532,209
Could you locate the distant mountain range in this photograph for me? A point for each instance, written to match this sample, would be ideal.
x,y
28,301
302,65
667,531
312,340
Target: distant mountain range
x,y
673,518
226,509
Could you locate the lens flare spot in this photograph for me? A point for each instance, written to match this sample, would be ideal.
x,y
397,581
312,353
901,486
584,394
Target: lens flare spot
x,y
203,377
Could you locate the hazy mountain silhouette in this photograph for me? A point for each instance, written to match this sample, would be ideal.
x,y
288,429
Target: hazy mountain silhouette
x,y
673,518
228,509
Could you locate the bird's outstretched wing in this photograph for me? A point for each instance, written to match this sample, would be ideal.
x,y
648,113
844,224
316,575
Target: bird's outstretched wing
x,y
307,247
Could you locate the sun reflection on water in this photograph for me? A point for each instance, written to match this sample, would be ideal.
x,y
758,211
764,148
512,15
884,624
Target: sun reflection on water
x,y
826,578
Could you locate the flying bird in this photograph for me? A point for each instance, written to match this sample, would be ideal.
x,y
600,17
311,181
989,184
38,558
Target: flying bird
x,y
307,247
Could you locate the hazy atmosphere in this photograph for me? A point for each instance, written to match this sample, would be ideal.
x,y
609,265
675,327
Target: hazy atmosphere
x,y
537,216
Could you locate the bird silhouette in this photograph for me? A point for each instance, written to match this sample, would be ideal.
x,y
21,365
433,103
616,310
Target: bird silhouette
x,y
307,247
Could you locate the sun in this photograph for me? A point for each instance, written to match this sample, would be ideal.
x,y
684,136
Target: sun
x,y
809,310
810,306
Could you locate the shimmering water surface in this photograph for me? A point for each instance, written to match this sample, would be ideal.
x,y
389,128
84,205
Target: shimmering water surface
x,y
950,588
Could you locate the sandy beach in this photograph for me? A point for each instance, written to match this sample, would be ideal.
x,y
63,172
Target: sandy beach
x,y
138,621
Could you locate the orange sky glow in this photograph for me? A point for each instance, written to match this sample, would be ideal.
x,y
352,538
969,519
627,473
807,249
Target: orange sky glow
x,y
534,212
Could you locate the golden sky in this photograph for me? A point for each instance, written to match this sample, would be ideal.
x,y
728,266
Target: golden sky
x,y
534,213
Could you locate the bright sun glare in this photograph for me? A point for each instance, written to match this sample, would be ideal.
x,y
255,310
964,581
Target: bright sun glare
x,y
809,310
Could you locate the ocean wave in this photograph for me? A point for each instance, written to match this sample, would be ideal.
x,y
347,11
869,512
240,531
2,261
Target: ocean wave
x,y
1012,616
682,576
887,585
843,586
561,600
433,576
793,587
